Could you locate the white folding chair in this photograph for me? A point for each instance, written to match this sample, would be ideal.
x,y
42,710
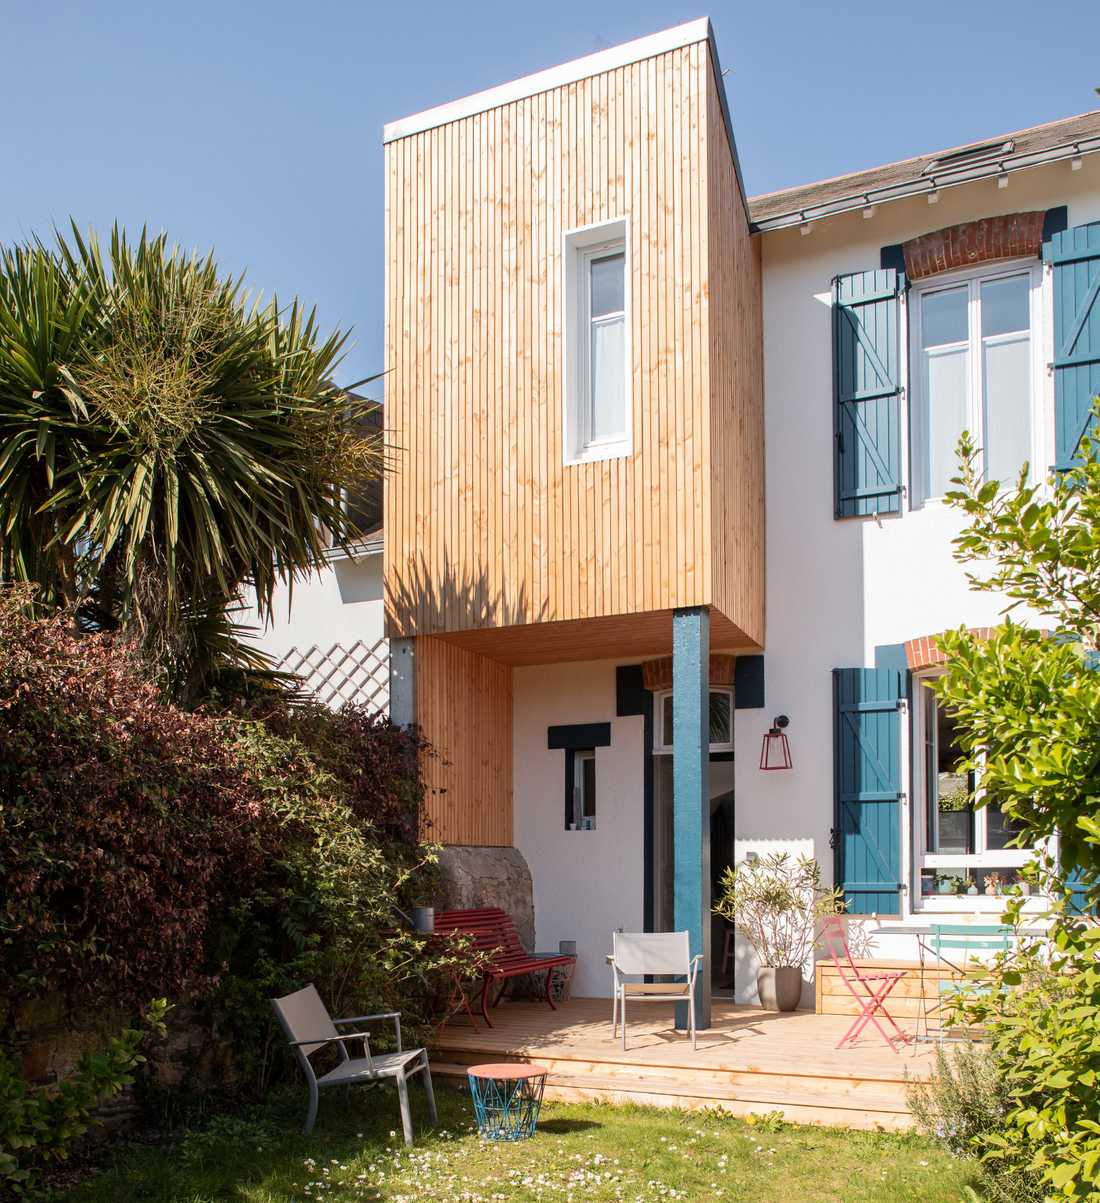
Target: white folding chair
x,y
309,1027
643,954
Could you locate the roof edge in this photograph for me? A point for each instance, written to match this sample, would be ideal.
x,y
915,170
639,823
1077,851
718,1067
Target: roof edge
x,y
884,194
569,72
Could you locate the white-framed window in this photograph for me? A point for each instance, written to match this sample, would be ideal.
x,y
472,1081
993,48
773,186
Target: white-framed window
x,y
721,722
597,343
975,364
584,790
963,858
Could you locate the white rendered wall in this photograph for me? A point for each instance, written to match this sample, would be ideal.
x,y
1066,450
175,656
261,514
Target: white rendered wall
x,y
587,883
838,589
341,604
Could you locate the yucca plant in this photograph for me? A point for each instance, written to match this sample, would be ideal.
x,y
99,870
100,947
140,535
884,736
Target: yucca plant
x,y
166,441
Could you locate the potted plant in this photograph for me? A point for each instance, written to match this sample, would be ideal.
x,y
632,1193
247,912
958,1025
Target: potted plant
x,y
971,885
945,883
775,901
993,883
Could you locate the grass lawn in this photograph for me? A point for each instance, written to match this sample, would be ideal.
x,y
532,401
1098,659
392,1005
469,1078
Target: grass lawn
x,y
581,1153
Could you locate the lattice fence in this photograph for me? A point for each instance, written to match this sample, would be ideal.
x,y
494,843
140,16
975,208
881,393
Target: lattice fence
x,y
359,672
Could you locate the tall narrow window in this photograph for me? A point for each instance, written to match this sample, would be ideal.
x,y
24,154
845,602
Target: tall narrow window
x,y
974,371
584,790
606,392
597,402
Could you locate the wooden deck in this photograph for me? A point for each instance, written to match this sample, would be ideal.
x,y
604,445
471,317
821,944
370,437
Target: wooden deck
x,y
749,1061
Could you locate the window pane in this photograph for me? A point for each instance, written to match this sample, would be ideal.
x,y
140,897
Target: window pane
x,y
720,717
1005,305
946,377
608,379
999,828
943,317
952,787
666,725
589,779
1006,374
608,285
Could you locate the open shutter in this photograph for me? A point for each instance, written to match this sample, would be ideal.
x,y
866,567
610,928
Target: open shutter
x,y
867,393
1075,258
867,781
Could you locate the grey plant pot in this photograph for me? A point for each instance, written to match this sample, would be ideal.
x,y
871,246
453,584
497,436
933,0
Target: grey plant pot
x,y
779,989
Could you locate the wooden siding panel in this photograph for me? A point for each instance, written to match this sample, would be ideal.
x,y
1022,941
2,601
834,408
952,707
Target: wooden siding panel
x,y
485,527
736,384
464,709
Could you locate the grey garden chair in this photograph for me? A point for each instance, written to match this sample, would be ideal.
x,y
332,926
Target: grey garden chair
x,y
640,954
309,1027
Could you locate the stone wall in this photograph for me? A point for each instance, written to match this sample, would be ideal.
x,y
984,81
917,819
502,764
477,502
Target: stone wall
x,y
476,877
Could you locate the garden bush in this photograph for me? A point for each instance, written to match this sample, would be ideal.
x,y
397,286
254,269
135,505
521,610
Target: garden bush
x,y
216,858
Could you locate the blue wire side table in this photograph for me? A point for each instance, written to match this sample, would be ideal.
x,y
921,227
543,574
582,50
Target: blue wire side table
x,y
507,1099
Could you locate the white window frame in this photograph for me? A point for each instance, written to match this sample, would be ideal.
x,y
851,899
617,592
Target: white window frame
x,y
580,757
1004,858
1041,437
660,748
580,247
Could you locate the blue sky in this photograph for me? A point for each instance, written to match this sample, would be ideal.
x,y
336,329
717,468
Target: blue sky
x,y
254,126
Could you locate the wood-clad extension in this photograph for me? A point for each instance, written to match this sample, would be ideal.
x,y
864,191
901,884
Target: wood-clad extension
x,y
735,325
485,527
464,709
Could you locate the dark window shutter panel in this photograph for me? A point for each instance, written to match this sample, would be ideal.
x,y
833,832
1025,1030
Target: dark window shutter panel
x,y
867,787
867,393
1075,259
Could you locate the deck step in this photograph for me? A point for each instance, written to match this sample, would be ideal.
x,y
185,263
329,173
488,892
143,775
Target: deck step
x,y
690,1092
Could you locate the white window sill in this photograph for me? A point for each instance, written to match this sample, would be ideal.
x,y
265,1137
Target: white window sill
x,y
595,452
974,903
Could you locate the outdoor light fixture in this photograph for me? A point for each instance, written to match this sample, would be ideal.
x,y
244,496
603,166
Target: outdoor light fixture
x,y
934,197
775,751
1075,163
1002,180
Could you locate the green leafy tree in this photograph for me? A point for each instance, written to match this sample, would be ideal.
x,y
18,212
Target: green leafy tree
x,y
1027,701
166,442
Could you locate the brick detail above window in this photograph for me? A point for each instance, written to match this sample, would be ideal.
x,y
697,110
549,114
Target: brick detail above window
x,y
924,651
657,674
1012,236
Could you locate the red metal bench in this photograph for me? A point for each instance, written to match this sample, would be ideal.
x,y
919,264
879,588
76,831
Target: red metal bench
x,y
492,932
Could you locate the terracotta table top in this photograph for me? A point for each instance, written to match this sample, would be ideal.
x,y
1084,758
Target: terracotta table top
x,y
504,1069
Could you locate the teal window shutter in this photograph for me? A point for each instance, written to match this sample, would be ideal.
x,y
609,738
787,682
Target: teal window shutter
x,y
1074,256
867,393
866,835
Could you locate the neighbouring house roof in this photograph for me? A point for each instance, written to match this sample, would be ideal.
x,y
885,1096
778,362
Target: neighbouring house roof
x,y
1070,138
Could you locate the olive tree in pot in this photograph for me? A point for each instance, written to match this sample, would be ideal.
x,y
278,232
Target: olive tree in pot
x,y
775,901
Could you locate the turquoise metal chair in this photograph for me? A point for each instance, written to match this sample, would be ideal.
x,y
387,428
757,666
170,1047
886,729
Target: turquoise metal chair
x,y
954,946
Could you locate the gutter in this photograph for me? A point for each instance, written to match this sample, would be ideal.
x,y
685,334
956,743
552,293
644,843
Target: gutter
x,y
932,183
355,551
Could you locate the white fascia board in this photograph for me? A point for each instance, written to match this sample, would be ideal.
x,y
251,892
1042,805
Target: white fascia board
x,y
554,77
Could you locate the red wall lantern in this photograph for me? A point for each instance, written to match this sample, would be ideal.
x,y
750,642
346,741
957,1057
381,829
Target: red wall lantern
x,y
775,751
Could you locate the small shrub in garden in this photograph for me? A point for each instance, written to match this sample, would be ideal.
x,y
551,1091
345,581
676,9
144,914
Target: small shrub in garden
x,y
962,1105
40,1125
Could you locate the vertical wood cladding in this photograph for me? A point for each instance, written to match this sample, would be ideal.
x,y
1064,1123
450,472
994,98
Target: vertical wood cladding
x,y
464,708
484,525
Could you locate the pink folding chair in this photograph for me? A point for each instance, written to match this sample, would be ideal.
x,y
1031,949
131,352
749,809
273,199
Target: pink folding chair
x,y
870,990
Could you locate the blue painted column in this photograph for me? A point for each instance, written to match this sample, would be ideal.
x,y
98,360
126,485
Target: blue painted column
x,y
691,794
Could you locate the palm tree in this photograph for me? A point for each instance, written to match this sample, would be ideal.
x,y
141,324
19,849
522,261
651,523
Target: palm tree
x,y
166,441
